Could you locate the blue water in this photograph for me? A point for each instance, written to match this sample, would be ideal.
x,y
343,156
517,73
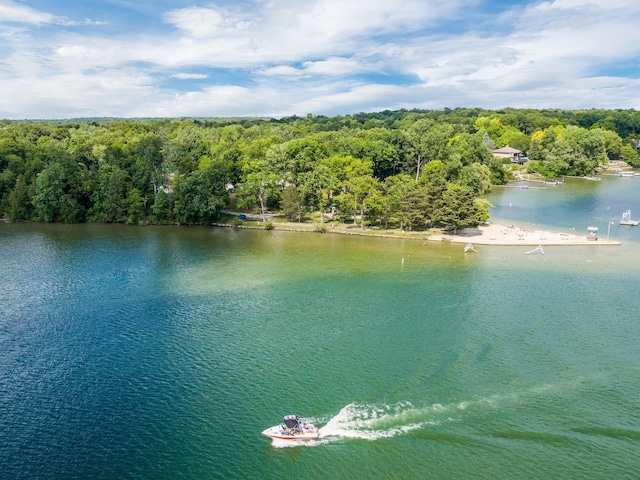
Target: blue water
x,y
573,206
163,352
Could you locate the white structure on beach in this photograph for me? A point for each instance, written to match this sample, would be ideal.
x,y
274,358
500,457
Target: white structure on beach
x,y
626,219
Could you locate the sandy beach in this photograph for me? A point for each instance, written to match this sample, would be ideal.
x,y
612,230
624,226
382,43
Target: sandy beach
x,y
494,234
489,234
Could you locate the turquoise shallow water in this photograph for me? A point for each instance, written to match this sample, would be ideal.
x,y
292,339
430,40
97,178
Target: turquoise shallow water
x,y
132,352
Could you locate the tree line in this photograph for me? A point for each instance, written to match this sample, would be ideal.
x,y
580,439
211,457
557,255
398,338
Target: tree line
x,y
413,169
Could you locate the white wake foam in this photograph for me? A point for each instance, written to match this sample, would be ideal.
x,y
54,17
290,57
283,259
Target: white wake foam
x,y
368,421
375,421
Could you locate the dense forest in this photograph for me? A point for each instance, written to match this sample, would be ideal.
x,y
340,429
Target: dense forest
x,y
412,168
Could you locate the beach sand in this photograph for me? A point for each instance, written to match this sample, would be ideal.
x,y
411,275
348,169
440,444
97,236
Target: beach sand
x,y
493,234
489,234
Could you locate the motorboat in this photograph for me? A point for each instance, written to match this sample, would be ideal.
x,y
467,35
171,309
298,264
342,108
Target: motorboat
x,y
292,429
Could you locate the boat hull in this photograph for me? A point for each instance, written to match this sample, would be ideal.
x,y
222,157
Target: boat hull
x,y
278,433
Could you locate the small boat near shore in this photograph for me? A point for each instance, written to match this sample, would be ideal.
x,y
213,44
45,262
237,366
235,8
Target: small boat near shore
x,y
292,429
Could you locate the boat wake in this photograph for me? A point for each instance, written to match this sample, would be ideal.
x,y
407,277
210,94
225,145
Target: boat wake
x,y
367,421
374,421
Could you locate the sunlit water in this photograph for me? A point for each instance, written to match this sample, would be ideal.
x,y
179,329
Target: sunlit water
x,y
163,352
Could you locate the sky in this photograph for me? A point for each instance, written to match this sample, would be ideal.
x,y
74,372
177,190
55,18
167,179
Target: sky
x,y
273,58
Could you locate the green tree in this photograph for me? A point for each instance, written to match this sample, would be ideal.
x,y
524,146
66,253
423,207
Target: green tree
x,y
432,170
499,176
200,196
19,201
364,189
162,208
149,164
50,186
629,154
375,205
477,177
515,138
347,206
394,190
294,157
135,206
292,203
258,188
415,209
416,136
318,185
109,196
459,209
7,182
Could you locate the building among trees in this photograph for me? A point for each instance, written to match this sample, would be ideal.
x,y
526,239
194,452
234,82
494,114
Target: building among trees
x,y
514,154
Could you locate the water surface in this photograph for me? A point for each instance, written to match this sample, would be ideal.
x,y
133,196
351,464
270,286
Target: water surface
x,y
162,352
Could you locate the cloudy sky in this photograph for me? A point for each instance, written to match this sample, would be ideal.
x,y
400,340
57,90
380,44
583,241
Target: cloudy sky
x,y
176,58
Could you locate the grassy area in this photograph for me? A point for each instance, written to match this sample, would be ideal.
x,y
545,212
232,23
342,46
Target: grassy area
x,y
313,224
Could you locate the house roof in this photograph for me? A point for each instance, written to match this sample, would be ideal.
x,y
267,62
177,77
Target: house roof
x,y
507,149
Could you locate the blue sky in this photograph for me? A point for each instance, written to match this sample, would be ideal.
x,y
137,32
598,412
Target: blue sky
x,y
177,58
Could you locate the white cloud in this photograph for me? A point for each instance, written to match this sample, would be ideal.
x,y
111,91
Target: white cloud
x,y
328,19
112,93
541,51
211,22
12,12
556,53
280,71
356,97
227,100
17,13
338,66
190,76
298,30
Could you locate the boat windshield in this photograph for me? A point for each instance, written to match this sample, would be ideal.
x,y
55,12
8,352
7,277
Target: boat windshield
x,y
291,421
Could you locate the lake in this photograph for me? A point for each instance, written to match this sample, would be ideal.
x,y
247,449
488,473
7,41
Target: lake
x,y
163,352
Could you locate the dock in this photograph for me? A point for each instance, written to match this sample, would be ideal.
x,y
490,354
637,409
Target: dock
x,y
626,219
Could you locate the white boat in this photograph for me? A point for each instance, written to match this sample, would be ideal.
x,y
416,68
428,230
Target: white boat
x,y
292,429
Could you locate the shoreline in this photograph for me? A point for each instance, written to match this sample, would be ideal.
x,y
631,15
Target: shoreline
x,y
490,234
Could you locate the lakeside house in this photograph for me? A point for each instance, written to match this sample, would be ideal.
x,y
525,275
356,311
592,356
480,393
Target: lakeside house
x,y
514,154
